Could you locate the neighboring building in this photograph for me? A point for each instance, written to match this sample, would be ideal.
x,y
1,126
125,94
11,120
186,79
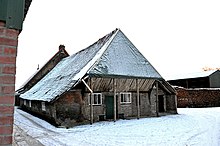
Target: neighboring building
x,y
197,89
205,79
12,14
112,75
40,73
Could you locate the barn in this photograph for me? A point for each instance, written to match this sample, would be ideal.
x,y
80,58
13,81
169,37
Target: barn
x,y
205,79
199,89
108,80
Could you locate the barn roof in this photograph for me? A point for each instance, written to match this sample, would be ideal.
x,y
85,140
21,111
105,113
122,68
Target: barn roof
x,y
192,75
111,56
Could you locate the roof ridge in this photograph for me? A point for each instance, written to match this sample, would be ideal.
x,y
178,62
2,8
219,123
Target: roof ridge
x,y
113,34
101,51
99,41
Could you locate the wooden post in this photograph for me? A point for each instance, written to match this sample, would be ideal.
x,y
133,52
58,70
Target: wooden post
x,y
157,98
187,84
91,102
114,87
138,99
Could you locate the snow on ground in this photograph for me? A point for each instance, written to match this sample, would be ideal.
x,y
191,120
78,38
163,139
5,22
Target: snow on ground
x,y
191,127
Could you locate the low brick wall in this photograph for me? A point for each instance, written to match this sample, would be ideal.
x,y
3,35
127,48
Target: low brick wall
x,y
206,97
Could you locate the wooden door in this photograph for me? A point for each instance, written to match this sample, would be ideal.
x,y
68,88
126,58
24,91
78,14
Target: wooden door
x,y
109,102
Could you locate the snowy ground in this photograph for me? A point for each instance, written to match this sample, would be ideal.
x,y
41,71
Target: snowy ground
x,y
191,127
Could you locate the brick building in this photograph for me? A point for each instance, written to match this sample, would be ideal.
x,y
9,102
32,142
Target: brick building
x,y
108,80
12,14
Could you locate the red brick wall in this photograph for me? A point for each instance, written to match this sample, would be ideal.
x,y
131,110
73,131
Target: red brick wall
x,y
8,51
198,97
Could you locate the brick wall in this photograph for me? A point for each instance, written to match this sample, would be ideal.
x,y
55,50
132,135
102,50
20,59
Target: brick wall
x,y
69,108
8,51
198,97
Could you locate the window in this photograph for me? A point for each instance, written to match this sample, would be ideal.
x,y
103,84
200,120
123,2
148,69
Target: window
x,y
97,98
29,103
43,106
125,97
25,102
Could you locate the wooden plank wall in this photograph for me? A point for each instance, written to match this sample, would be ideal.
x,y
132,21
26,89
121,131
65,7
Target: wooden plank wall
x,y
123,84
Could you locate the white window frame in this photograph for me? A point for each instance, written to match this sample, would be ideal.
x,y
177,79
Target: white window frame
x,y
94,101
123,98
25,102
43,106
29,103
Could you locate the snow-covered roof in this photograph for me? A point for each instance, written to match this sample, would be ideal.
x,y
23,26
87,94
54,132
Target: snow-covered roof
x,y
44,69
122,58
192,75
112,55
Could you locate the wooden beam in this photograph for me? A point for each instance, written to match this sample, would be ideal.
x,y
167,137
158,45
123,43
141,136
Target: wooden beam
x,y
138,99
114,88
157,98
91,102
187,84
87,86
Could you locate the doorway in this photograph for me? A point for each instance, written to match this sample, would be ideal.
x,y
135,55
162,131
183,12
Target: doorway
x,y
109,102
161,103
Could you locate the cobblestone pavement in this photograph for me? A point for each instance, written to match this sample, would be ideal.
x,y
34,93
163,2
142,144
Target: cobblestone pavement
x,y
21,138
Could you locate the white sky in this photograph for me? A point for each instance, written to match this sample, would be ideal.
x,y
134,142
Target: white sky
x,y
175,36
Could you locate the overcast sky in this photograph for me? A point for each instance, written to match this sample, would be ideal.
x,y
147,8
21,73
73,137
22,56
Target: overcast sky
x,y
176,36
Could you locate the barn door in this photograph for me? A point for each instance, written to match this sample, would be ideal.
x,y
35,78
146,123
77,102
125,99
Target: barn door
x,y
109,102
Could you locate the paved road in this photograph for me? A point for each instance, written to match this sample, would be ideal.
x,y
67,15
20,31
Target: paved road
x,y
21,138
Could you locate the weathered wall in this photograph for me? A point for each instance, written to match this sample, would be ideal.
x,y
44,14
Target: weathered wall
x,y
171,103
97,109
198,97
69,108
8,52
145,105
147,101
36,108
66,111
